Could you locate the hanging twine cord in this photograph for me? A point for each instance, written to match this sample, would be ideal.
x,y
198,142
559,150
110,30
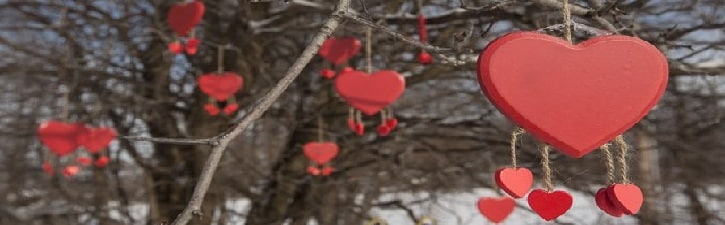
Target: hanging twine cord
x,y
546,167
566,13
623,150
220,59
369,49
609,162
320,129
514,136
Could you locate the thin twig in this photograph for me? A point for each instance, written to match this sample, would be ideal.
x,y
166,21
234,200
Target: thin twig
x,y
210,166
178,141
430,48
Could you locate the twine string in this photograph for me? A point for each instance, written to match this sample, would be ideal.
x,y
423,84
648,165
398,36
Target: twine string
x,y
320,129
514,136
609,162
566,13
623,150
220,59
546,167
369,49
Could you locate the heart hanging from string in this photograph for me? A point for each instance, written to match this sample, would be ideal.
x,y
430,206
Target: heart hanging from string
x,y
321,153
496,210
602,86
220,87
424,57
61,138
338,51
96,139
370,93
182,18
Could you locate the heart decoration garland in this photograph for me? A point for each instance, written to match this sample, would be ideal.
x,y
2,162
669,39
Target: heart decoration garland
x,y
96,139
549,205
339,50
220,88
370,93
320,153
423,58
61,138
496,209
514,181
183,17
602,86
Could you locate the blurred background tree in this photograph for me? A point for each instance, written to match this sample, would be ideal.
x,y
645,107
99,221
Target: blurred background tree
x,y
106,63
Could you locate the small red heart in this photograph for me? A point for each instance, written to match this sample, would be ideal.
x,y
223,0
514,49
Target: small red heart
x,y
96,139
192,46
627,197
182,17
47,168
515,182
61,138
327,171
313,170
211,109
351,124
425,58
84,161
70,171
231,108
602,86
383,130
496,209
392,123
606,205
339,50
175,47
327,73
102,161
220,86
320,152
370,93
360,129
347,69
549,205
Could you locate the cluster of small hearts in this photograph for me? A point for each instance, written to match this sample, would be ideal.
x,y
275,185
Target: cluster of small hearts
x,y
63,139
219,86
574,98
320,153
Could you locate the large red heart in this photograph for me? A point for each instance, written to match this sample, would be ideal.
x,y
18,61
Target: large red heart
x,y
61,138
515,182
549,205
339,50
321,152
182,17
627,197
573,97
606,205
370,93
496,209
220,86
96,139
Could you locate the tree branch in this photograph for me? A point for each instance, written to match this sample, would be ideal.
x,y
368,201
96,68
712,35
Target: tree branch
x,y
179,141
210,166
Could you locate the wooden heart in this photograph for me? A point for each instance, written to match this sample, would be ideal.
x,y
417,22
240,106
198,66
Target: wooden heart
x,y
573,97
515,182
84,161
549,205
220,86
96,139
102,161
496,209
370,93
61,138
70,171
627,197
182,17
339,50
606,205
320,152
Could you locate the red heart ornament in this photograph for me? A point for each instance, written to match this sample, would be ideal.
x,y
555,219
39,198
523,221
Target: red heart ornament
x,y
327,171
370,93
601,87
96,139
84,161
327,73
383,130
182,17
515,182
220,86
175,47
61,138
359,129
351,124
192,46
313,170
425,58
102,161
70,171
627,197
211,109
230,109
320,152
496,209
392,123
606,205
339,50
549,205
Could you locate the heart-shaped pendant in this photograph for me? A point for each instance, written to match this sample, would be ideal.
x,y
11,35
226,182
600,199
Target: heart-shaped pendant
x,y
606,205
549,205
320,152
339,50
573,97
102,161
220,86
627,197
96,139
370,93
61,138
182,17
515,182
496,209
